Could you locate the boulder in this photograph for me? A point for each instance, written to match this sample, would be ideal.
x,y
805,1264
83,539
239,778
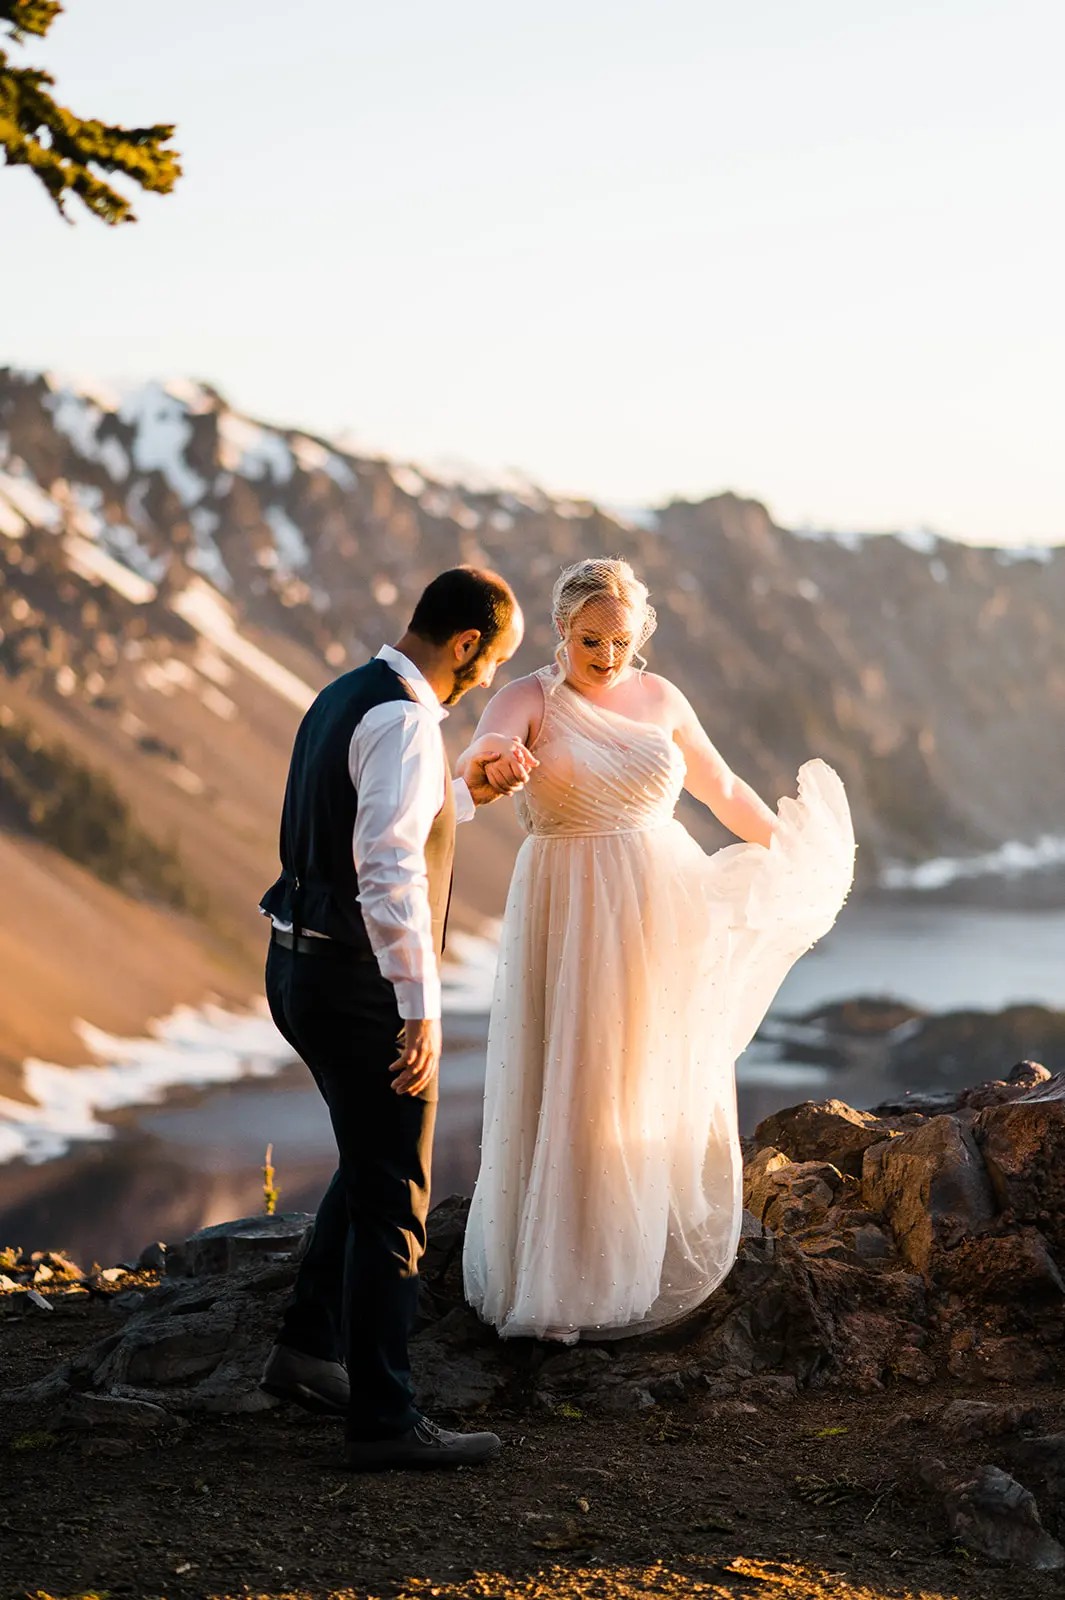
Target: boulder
x,y
176,1349
229,1245
825,1130
965,1420
84,1413
1040,1464
931,1186
1023,1146
785,1195
1028,1075
992,1515
190,1345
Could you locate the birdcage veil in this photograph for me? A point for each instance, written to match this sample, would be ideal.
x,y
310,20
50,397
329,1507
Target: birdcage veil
x,y
600,578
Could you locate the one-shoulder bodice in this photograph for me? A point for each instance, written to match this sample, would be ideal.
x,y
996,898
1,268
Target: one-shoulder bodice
x,y
600,772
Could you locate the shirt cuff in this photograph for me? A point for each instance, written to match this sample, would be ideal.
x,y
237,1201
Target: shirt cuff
x,y
418,999
464,806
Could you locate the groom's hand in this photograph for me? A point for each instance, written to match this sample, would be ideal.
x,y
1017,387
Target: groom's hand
x,y
419,1057
494,766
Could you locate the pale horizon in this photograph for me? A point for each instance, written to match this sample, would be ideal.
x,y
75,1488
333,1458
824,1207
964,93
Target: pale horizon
x,y
634,256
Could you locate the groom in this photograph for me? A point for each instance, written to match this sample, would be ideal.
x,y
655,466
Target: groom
x,y
353,982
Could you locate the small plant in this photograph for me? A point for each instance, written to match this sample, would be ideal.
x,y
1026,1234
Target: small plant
x,y
271,1193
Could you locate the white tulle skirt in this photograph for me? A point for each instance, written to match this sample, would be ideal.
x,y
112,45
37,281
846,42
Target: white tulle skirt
x,y
633,969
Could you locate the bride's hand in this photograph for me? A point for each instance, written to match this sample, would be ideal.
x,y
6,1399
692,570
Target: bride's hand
x,y
495,765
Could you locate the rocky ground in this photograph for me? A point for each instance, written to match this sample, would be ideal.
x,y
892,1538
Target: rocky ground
x,y
870,1408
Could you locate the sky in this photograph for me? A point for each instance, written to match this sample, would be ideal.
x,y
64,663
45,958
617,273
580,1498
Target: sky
x,y
810,253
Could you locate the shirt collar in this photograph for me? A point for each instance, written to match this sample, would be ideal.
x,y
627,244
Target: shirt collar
x,y
406,669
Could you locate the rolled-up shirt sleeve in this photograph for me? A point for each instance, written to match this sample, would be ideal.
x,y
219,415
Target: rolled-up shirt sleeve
x,y
396,761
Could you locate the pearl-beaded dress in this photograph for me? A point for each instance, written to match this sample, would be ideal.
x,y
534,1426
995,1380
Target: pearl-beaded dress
x,y
633,970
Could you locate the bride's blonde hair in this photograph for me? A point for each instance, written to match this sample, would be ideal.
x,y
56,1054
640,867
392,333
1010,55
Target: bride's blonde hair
x,y
598,578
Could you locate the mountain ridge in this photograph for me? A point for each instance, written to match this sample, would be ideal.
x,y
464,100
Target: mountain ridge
x,y
179,579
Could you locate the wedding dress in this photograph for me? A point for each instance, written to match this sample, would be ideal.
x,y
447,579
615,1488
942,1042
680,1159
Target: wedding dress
x,y
633,970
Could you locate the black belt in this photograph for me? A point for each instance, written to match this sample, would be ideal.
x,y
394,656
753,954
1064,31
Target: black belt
x,y
304,946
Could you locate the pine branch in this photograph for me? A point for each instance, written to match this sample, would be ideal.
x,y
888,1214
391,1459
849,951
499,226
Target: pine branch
x,y
29,16
62,149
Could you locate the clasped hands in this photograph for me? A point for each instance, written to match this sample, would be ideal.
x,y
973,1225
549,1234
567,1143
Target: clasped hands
x,y
495,765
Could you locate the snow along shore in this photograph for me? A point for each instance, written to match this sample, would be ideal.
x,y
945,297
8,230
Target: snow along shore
x,y
194,1047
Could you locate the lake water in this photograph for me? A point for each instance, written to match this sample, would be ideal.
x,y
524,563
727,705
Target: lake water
x,y
197,1159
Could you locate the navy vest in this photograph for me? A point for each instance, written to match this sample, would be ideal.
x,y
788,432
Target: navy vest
x,y
318,887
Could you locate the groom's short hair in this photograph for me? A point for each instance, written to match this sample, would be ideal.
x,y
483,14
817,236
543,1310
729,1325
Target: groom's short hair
x,y
461,598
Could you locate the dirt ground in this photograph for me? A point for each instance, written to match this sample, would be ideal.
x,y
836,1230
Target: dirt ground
x,y
801,1497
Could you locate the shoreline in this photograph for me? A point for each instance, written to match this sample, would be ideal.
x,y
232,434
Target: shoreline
x,y
192,1047
203,1046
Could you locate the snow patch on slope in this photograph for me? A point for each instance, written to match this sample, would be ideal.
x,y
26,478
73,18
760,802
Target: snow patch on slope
x,y
162,434
253,451
207,612
88,560
293,552
29,500
311,456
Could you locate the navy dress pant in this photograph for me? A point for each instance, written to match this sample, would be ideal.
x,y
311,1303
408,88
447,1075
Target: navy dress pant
x,y
357,1290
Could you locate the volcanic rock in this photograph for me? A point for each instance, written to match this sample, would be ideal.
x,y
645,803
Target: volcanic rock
x,y
826,1130
932,1187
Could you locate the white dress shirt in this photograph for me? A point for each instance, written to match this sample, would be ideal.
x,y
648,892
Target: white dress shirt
x,y
397,764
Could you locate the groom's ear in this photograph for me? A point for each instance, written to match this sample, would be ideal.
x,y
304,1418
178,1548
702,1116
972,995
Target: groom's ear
x,y
465,645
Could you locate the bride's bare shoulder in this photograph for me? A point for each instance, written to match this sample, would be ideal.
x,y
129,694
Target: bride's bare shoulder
x,y
517,708
527,690
660,691
665,701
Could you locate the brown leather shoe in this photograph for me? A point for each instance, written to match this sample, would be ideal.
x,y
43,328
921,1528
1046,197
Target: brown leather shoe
x,y
316,1385
424,1446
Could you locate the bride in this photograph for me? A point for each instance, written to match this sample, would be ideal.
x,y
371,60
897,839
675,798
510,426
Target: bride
x,y
633,969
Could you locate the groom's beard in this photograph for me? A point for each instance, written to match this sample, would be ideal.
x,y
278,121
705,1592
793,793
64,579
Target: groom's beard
x,y
465,678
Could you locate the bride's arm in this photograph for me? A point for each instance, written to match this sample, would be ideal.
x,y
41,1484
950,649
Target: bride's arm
x,y
710,778
510,723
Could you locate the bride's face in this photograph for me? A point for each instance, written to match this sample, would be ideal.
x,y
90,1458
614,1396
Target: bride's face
x,y
601,643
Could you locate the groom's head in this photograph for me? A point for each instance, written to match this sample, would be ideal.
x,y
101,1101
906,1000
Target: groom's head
x,y
466,624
